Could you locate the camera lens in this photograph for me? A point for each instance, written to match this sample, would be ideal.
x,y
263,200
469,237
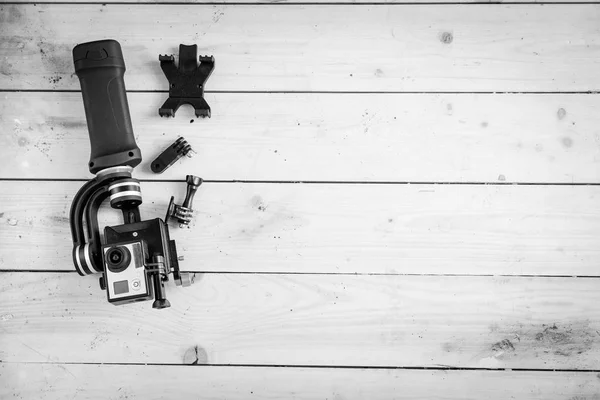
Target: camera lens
x,y
117,258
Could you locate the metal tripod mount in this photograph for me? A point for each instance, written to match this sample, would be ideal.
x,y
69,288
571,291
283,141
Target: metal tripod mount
x,y
183,213
136,257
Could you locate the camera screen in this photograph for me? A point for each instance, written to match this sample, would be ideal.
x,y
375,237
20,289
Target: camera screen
x,y
121,287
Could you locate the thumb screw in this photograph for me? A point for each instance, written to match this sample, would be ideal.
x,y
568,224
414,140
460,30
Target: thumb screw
x,y
193,183
183,213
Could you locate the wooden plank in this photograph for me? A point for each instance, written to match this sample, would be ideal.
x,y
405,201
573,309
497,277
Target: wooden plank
x,y
365,137
392,229
58,381
321,320
316,48
318,2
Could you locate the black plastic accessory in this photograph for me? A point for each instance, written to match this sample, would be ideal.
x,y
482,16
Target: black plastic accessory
x,y
186,82
184,213
170,155
100,68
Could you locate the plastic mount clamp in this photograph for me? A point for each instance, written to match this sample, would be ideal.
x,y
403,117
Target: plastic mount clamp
x,y
186,81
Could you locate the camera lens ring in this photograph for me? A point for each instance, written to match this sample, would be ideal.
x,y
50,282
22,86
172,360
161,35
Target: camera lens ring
x,y
118,258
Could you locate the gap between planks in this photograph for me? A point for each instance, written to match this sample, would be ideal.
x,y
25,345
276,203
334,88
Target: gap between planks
x,y
585,92
305,3
301,182
308,366
69,271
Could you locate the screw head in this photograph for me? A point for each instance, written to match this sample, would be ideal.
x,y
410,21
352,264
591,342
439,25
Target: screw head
x,y
193,180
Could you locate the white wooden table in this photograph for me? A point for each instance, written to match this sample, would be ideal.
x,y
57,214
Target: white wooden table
x,y
401,201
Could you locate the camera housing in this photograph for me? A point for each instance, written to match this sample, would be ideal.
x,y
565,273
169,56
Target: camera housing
x,y
138,258
125,273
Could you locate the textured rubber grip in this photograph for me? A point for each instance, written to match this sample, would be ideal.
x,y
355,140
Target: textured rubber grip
x,y
100,68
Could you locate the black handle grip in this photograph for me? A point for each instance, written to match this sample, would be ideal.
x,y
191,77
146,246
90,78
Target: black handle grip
x,y
100,68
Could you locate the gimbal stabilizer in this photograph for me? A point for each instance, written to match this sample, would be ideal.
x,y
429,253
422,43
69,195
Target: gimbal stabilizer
x,y
135,258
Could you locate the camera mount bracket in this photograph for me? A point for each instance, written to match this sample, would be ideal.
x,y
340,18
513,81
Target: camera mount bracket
x,y
186,81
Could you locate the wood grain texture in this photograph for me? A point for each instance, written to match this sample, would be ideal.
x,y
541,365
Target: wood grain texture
x,y
393,229
316,48
281,333
58,381
336,137
321,320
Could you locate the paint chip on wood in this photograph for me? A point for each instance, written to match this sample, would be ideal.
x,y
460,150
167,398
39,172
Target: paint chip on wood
x,y
565,341
503,345
6,317
258,203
